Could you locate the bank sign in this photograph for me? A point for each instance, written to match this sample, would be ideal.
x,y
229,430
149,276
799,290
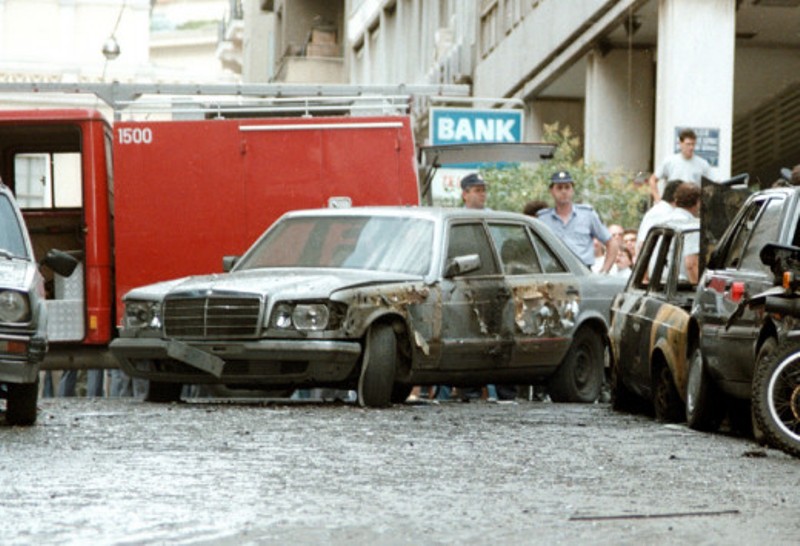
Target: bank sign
x,y
465,126
462,126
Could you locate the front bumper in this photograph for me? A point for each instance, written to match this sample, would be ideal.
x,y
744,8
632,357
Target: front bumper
x,y
261,363
20,357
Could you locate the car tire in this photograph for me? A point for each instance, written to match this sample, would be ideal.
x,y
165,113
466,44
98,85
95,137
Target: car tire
x,y
21,403
705,407
667,404
767,349
376,382
579,378
776,397
160,392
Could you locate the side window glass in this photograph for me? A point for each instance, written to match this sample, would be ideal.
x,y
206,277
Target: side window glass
x,y
547,258
743,230
517,256
766,231
650,267
465,239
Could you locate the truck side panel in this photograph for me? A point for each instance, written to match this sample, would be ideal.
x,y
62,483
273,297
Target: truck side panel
x,y
190,192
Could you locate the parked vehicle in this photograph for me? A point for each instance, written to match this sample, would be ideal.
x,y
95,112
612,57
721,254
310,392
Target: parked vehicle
x,y
650,325
378,300
23,316
776,379
732,336
180,194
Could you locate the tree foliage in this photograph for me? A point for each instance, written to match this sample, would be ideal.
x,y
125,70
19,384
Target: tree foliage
x,y
615,196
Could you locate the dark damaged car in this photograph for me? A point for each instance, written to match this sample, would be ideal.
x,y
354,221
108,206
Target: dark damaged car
x,y
651,327
378,300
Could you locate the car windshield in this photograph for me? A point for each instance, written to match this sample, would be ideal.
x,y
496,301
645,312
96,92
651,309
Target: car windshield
x,y
377,243
12,240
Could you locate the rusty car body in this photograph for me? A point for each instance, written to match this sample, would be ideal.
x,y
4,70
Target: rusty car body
x,y
379,300
650,325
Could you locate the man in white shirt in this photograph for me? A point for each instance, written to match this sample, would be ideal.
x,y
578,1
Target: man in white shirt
x,y
684,165
687,208
657,213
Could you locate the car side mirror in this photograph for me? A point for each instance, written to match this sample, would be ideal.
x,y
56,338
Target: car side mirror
x,y
461,265
61,262
228,262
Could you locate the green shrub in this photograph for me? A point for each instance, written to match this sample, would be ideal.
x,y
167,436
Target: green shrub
x,y
615,196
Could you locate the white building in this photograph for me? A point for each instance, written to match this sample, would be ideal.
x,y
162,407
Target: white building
x,y
625,74
63,41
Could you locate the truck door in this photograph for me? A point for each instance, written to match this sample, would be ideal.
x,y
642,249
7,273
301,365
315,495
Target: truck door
x,y
48,189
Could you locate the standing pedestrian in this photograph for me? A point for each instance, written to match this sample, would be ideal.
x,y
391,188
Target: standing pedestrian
x,y
684,165
577,224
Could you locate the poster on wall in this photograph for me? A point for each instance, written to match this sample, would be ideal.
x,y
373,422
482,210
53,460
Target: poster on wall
x,y
707,145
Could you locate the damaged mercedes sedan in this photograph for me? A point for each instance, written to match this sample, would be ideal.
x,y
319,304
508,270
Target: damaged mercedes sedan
x,y
378,300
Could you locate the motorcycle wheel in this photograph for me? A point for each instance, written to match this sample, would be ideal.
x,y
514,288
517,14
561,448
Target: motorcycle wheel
x,y
776,397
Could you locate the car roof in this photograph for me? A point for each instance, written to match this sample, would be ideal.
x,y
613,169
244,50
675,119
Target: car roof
x,y
423,212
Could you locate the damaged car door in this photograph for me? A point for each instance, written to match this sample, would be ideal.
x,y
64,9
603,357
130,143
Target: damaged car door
x,y
543,296
475,300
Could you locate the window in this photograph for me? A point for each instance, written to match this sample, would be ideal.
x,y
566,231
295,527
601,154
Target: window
x,y
466,239
547,258
760,222
767,231
48,180
517,255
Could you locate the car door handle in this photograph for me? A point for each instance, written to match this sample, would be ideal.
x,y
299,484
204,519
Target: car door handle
x,y
636,326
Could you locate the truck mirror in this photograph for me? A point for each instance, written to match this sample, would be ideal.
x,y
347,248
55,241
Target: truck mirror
x,y
61,262
228,262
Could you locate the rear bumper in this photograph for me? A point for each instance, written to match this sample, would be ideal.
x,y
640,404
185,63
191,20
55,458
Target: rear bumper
x,y
263,362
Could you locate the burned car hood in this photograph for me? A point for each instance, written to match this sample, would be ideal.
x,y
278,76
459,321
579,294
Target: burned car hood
x,y
288,283
15,274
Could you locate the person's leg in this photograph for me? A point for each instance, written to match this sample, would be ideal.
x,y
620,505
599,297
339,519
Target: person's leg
x,y
66,386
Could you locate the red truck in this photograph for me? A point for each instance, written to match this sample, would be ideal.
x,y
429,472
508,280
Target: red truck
x,y
138,202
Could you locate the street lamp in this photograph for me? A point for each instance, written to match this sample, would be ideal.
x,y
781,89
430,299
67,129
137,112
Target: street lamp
x,y
111,48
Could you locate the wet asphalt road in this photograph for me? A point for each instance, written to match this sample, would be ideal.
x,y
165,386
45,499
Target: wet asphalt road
x,y
222,472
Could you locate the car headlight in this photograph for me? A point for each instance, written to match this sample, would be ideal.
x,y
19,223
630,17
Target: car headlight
x,y
142,314
309,317
14,306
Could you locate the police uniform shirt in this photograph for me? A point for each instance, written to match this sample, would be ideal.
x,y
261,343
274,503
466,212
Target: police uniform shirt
x,y
578,232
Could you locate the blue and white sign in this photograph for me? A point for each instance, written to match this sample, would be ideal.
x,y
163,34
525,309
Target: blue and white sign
x,y
465,126
462,126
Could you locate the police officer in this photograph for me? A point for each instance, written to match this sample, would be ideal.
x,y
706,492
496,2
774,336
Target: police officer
x,y
473,191
577,224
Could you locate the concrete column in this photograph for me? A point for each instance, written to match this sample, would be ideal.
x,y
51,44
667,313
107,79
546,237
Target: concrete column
x,y
696,43
619,109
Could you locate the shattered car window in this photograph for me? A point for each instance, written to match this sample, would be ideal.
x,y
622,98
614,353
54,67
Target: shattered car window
x,y
379,243
11,238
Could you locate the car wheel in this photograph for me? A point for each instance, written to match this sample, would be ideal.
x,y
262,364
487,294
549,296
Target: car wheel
x,y
705,407
400,393
163,393
776,397
622,398
667,403
580,376
21,403
767,349
376,382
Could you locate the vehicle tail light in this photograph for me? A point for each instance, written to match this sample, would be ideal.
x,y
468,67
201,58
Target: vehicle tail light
x,y
788,279
737,291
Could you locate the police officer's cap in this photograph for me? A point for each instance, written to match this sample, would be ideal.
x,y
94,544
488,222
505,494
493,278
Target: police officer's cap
x,y
472,179
561,177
